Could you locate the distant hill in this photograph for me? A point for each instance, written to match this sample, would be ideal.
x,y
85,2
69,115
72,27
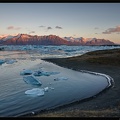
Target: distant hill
x,y
25,39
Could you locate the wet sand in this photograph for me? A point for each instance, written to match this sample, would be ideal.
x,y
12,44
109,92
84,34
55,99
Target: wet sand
x,y
105,104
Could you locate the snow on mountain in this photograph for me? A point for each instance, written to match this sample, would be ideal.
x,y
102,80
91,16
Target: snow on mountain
x,y
72,39
6,37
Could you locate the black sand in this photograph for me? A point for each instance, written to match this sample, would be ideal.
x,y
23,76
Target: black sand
x,y
105,104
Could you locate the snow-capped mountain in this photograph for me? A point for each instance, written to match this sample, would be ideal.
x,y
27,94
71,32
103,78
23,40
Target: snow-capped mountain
x,y
25,39
89,41
6,37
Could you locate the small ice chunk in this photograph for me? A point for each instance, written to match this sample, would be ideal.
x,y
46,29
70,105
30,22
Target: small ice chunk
x,y
60,78
46,89
44,73
33,112
51,88
26,72
31,80
37,73
35,92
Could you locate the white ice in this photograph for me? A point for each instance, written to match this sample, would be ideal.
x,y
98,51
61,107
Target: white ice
x,y
110,79
35,92
46,89
57,51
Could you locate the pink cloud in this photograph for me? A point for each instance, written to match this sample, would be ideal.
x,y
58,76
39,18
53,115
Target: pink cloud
x,y
13,28
112,30
10,27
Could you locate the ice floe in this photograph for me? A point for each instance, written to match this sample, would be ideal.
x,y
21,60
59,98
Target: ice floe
x,y
32,80
35,92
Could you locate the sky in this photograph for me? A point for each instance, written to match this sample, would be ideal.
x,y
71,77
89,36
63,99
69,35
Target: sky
x,y
88,20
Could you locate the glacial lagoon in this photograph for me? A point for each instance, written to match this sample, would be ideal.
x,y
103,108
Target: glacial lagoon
x,y
67,86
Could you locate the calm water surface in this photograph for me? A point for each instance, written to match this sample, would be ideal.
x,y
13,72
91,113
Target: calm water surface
x,y
14,101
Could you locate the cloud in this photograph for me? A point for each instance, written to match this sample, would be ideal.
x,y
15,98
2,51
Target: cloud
x,y
13,28
10,27
58,27
42,26
31,32
112,30
48,28
96,28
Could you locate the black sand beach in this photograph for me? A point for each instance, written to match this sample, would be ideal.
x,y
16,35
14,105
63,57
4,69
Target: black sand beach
x,y
105,104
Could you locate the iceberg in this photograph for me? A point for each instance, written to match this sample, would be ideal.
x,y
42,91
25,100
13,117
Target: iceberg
x,y
35,92
31,80
26,72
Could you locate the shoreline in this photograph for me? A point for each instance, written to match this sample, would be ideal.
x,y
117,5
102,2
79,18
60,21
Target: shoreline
x,y
110,84
105,104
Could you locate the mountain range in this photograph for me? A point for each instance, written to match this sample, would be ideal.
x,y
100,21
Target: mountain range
x,y
26,39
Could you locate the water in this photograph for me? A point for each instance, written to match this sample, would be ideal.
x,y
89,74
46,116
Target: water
x,y
14,101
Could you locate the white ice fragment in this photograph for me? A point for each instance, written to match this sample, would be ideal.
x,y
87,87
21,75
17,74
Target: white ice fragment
x,y
51,88
35,92
46,89
33,112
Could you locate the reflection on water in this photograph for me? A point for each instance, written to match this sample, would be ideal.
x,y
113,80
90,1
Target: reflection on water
x,y
13,100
